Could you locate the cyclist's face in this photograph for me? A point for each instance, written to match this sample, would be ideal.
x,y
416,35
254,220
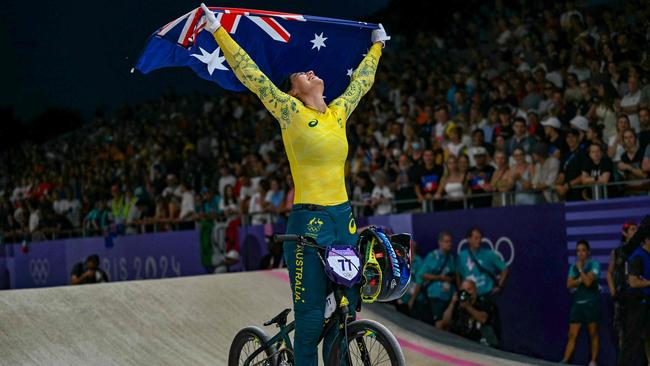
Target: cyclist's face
x,y
306,83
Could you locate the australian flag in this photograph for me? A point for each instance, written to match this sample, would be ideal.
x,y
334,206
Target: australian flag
x,y
279,43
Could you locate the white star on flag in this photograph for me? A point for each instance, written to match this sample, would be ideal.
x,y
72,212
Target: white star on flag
x,y
213,60
318,41
349,73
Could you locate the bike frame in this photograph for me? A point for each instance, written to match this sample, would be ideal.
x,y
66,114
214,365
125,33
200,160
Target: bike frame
x,y
341,313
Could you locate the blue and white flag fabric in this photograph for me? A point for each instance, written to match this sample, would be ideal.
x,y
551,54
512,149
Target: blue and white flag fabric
x,y
279,43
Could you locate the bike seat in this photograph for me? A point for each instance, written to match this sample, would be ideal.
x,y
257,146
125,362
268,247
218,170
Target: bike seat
x,y
280,319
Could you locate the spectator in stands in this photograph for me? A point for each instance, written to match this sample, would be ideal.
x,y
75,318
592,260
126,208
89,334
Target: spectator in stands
x,y
117,205
553,139
546,170
453,185
630,165
595,136
581,124
532,98
598,169
229,205
631,101
256,209
172,188
226,179
586,100
162,216
287,203
504,128
381,197
471,316
187,208
98,218
604,108
404,183
463,164
209,204
35,218
644,125
535,129
362,193
520,137
436,278
520,178
478,140
443,125
617,279
616,146
274,198
586,308
573,93
88,272
136,216
455,145
500,182
480,176
570,174
427,177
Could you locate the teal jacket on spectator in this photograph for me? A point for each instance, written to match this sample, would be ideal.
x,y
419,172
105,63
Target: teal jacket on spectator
x,y
489,260
433,263
584,294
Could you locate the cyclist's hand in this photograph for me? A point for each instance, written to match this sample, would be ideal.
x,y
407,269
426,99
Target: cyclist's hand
x,y
379,35
211,22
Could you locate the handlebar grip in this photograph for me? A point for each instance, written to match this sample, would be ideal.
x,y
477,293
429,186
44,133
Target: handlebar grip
x,y
279,238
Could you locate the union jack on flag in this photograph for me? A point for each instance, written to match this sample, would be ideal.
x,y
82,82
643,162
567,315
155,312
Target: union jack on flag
x,y
280,44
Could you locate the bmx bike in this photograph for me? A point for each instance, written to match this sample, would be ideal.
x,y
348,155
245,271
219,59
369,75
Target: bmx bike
x,y
359,342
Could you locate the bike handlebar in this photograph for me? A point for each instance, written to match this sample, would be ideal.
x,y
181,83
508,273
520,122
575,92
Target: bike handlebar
x,y
278,238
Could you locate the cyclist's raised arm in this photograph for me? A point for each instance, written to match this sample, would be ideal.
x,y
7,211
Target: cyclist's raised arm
x,y
281,105
362,79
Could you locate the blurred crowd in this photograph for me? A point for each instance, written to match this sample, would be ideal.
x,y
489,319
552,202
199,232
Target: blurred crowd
x,y
535,102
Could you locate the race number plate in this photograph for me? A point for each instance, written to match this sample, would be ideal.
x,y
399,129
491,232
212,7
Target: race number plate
x,y
343,265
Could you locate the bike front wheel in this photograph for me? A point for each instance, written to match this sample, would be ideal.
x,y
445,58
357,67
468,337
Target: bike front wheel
x,y
369,344
245,343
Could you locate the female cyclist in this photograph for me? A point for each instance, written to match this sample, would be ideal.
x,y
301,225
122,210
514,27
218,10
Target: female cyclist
x,y
315,140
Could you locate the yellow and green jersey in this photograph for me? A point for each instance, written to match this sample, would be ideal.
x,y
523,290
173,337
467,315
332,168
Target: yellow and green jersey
x,y
315,142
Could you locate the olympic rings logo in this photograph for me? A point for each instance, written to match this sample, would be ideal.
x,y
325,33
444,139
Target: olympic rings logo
x,y
510,254
40,270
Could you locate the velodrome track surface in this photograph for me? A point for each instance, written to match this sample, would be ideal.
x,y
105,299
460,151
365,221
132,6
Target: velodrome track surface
x,y
185,321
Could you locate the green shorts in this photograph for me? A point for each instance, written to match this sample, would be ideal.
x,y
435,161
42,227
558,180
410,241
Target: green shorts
x,y
585,313
327,225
